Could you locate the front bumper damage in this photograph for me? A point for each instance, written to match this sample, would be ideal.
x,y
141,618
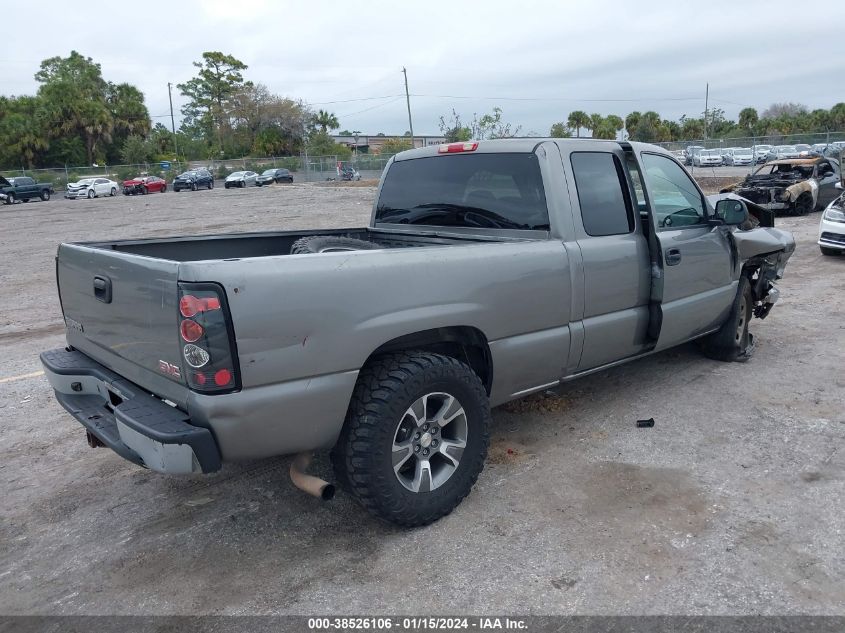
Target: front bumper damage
x,y
120,415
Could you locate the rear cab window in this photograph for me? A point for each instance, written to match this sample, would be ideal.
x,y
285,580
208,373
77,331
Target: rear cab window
x,y
496,190
603,194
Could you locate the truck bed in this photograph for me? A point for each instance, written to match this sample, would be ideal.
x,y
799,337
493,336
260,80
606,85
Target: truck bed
x,y
265,244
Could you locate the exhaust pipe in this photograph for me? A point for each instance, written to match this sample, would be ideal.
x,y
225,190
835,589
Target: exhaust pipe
x,y
314,486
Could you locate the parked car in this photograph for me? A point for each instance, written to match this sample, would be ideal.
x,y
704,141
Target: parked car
x,y
144,185
804,150
739,156
690,153
819,149
707,158
274,175
91,188
832,226
761,153
344,344
241,179
782,152
193,180
24,188
796,186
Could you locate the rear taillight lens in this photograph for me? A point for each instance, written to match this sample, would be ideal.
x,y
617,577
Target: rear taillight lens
x,y
207,339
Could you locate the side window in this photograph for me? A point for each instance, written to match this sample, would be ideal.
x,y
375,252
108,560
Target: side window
x,y
605,207
676,200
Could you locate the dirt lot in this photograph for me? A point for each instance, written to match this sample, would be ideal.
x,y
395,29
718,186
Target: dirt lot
x,y
732,503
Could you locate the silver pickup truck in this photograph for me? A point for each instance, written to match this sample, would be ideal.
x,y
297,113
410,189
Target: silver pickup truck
x,y
490,270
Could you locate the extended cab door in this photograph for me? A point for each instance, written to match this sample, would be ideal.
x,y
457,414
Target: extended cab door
x,y
614,254
696,287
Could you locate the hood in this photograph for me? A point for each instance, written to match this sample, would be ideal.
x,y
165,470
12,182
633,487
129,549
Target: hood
x,y
78,184
233,177
4,182
184,177
133,181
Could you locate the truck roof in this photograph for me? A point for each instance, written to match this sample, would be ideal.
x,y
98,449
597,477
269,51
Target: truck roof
x,y
518,145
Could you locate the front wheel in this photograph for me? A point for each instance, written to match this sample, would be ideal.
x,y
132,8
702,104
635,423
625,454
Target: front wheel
x,y
10,198
415,437
733,341
193,186
144,191
90,194
163,188
45,195
804,204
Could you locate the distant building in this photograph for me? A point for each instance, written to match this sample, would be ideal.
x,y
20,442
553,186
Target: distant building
x,y
371,144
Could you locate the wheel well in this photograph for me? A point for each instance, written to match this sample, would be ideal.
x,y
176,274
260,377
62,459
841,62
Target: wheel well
x,y
465,343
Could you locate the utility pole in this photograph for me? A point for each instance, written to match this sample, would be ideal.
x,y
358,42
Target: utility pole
x,y
408,102
172,122
706,103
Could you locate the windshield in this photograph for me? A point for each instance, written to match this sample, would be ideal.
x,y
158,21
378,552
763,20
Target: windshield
x,y
188,174
269,172
236,173
709,152
85,181
469,190
743,151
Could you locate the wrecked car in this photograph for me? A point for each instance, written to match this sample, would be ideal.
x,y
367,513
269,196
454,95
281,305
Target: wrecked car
x,y
795,186
489,270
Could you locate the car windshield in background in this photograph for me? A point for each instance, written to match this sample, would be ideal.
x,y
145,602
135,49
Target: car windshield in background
x,y
742,152
269,172
710,152
503,191
237,173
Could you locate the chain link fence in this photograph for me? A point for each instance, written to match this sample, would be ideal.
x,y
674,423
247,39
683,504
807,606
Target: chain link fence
x,y
821,138
312,169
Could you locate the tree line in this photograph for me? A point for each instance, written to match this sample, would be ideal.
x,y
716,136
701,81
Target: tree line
x,y
78,117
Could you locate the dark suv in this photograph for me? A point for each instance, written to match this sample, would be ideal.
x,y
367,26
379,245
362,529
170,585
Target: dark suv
x,y
274,175
193,180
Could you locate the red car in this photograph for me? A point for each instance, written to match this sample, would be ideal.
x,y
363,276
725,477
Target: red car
x,y
144,185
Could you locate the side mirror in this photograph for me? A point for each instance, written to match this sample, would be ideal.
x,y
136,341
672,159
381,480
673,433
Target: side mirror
x,y
731,212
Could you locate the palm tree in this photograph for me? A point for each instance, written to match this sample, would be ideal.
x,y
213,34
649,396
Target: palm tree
x,y
577,120
326,120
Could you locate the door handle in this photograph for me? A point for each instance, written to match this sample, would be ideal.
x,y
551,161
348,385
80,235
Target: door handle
x,y
102,289
673,256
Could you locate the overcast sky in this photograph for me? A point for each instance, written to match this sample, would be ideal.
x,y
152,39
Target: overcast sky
x,y
535,60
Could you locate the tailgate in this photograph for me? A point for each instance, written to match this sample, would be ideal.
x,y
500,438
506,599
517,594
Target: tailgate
x,y
122,310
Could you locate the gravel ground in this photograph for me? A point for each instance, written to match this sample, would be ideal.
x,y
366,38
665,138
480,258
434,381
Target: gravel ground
x,y
731,504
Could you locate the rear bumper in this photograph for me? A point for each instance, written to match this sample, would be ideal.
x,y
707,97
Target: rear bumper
x,y
125,418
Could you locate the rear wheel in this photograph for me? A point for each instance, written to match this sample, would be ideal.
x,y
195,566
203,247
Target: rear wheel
x,y
415,437
113,192
163,188
45,195
733,341
211,184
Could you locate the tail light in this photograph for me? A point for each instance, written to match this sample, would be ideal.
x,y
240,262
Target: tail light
x,y
207,339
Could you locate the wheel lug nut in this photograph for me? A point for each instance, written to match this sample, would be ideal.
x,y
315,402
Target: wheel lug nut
x,y
434,443
433,429
425,451
425,426
416,448
417,436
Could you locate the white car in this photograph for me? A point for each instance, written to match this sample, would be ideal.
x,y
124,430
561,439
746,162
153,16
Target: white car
x,y
241,179
707,158
739,156
91,188
832,226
